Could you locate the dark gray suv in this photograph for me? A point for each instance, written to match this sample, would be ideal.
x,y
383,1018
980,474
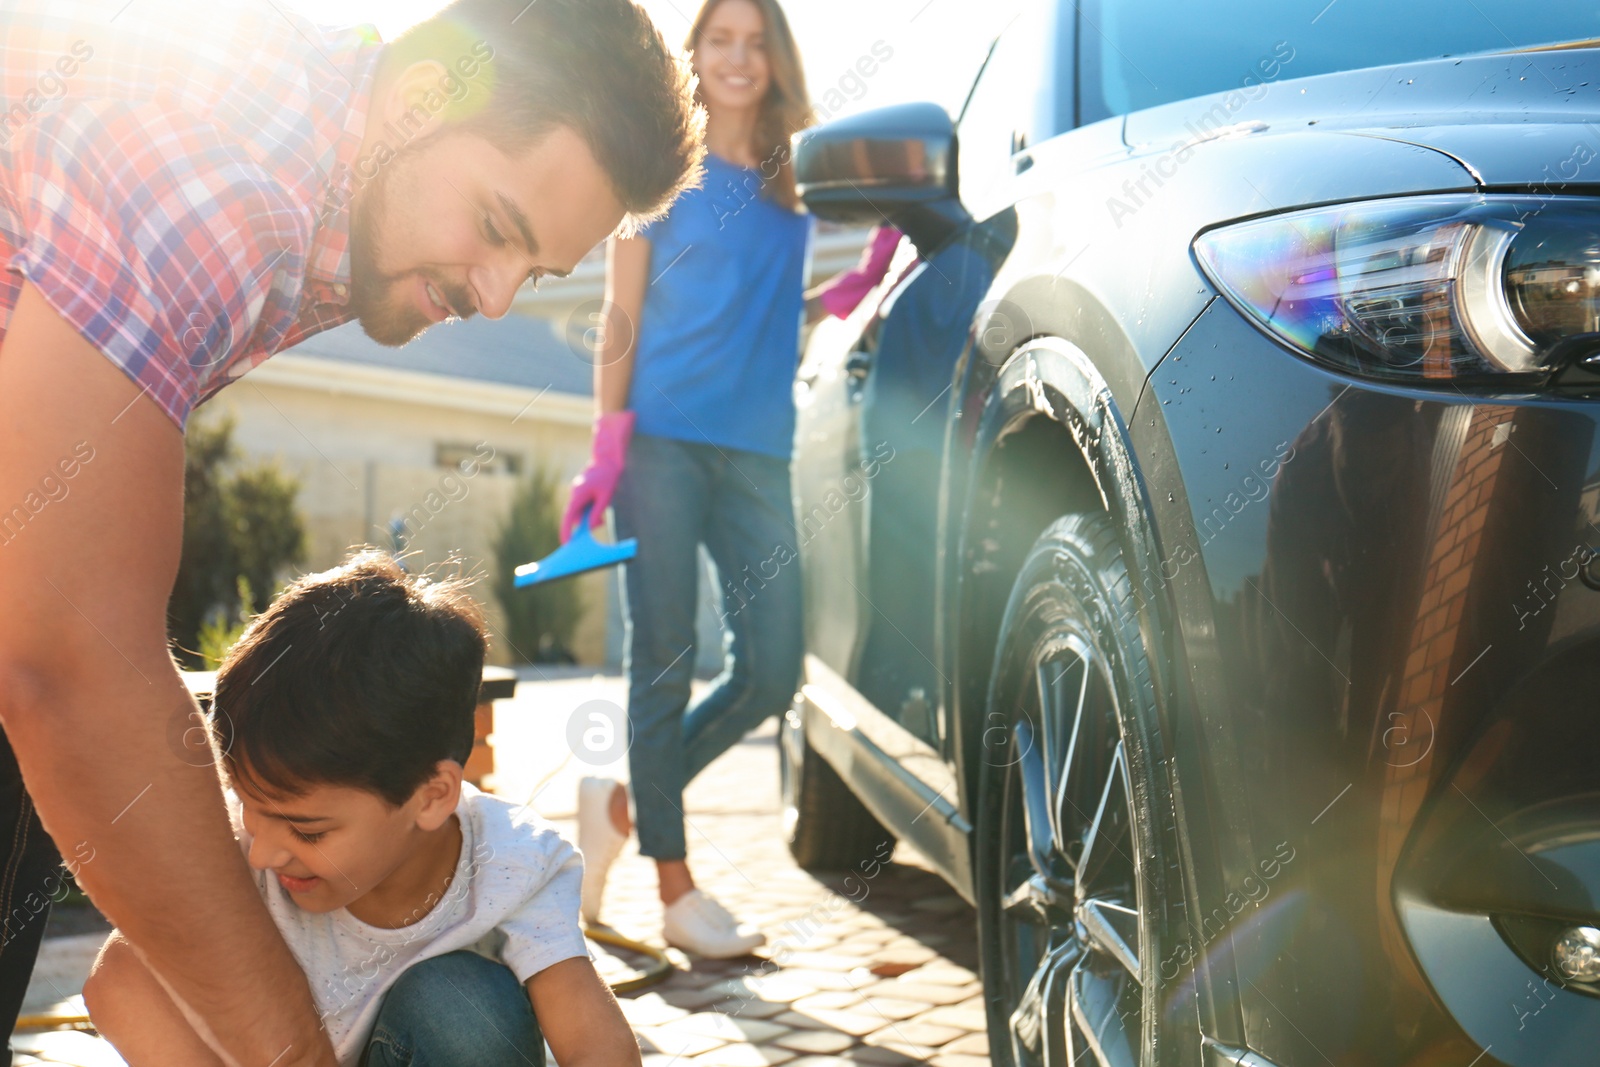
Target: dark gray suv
x,y
1199,529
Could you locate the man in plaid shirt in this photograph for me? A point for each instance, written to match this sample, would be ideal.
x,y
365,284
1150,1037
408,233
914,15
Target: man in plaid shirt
x,y
186,189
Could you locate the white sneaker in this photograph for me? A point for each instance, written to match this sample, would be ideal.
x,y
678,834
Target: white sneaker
x,y
697,923
598,839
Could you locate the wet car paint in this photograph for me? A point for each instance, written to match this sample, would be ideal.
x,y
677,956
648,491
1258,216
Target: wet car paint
x,y
1353,589
1357,630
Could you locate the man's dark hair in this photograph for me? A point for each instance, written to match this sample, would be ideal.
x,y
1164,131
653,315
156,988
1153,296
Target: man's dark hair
x,y
599,67
362,676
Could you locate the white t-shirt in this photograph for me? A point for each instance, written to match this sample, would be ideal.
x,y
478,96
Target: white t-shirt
x,y
513,898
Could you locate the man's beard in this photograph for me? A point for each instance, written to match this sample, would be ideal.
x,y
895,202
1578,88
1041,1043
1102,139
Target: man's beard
x,y
376,300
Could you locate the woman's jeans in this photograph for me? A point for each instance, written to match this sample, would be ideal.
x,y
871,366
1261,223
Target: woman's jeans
x,y
456,1010
674,496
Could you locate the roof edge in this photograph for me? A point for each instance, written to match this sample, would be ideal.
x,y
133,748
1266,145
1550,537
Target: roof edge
x,y
339,378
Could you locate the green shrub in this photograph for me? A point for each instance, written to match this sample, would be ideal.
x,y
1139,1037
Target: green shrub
x,y
217,633
241,529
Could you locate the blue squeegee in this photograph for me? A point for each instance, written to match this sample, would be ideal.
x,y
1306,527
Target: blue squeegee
x,y
581,553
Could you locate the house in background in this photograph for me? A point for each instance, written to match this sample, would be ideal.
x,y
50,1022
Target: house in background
x,y
376,437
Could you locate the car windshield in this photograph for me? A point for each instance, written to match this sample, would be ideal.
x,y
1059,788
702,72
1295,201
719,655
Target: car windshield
x,y
1136,54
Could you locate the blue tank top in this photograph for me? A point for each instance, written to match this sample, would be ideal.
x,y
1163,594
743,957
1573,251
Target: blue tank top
x,y
719,336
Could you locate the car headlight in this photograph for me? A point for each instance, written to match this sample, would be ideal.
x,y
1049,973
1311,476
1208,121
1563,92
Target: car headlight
x,y
1422,289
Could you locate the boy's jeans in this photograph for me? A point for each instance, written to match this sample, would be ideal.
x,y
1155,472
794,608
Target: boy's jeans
x,y
456,1010
674,496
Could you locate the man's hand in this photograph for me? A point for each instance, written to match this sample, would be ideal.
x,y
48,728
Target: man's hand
x,y
90,696
580,1018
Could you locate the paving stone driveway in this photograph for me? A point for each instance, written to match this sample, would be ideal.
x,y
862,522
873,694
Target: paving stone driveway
x,y
887,981
874,967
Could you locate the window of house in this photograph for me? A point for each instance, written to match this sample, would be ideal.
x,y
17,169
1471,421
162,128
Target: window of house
x,y
454,455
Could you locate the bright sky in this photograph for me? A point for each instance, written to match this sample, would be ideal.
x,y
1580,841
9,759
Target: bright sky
x,y
937,44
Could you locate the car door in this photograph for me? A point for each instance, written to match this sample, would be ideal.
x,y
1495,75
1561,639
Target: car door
x,y
828,515
868,446
873,402
910,360
905,366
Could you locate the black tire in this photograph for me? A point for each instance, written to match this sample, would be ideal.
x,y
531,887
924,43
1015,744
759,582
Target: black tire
x,y
1072,917
826,826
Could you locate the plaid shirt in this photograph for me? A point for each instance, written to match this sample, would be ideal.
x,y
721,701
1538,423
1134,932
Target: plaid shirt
x,y
176,180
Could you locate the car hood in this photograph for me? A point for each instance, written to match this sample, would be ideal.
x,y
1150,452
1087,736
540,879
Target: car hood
x,y
1513,119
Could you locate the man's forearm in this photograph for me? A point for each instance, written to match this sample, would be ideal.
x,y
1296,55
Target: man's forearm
x,y
100,759
89,692
133,1011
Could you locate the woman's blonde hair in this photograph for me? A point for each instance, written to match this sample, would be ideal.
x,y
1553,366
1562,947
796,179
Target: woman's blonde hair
x,y
787,108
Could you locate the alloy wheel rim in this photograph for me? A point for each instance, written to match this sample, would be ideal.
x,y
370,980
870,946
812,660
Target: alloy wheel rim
x,y
1071,942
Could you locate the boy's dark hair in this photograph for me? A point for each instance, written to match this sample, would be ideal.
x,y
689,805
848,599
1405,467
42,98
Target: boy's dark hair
x,y
362,676
598,66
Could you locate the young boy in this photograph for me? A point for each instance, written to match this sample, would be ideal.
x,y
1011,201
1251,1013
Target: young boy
x,y
435,923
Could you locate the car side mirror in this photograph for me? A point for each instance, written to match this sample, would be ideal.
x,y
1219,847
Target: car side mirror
x,y
896,163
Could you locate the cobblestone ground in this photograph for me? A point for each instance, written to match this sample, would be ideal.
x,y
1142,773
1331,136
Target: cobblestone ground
x,y
879,969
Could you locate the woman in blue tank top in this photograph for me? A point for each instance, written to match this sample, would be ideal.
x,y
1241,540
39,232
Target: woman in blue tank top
x,y
694,390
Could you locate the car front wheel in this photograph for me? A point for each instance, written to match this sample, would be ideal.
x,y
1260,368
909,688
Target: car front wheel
x,y
1072,874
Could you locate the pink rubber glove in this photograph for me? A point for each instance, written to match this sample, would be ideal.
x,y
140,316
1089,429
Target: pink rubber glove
x,y
841,295
594,487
